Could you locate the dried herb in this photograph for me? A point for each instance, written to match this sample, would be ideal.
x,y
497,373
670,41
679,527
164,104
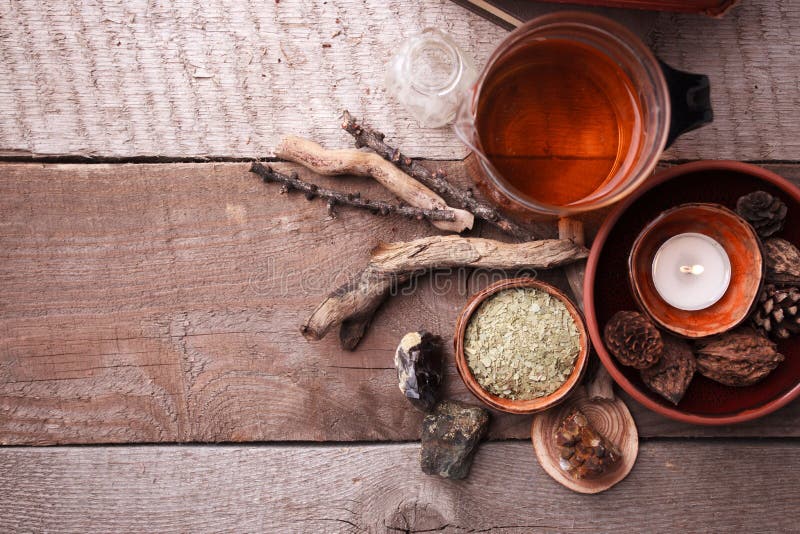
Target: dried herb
x,y
521,344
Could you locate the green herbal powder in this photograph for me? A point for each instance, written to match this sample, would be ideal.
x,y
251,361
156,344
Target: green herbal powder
x,y
521,344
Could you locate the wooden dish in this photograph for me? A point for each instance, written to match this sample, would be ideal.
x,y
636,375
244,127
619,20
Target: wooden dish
x,y
740,242
610,417
509,405
607,291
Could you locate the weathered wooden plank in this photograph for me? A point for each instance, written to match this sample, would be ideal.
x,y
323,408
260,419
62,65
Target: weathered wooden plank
x,y
226,79
161,303
723,486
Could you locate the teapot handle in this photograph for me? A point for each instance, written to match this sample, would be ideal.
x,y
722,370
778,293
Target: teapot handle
x,y
690,100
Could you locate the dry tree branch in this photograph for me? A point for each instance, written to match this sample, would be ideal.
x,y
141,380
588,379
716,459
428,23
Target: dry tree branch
x,y
354,303
292,182
367,137
356,162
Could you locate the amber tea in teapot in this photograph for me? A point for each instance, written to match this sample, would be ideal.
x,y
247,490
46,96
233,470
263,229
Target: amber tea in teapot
x,y
558,118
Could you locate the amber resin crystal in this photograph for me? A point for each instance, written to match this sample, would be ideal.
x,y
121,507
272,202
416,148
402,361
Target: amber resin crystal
x,y
584,452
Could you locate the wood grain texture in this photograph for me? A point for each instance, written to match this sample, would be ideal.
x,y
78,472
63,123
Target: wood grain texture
x,y
208,78
162,303
227,79
722,486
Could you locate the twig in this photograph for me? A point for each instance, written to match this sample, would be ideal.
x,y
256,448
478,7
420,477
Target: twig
x,y
393,263
355,162
367,137
292,182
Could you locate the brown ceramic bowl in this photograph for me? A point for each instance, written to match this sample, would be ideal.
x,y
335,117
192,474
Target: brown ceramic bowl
x,y
519,406
740,242
607,290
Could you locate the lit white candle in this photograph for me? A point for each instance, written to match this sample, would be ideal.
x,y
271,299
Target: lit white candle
x,y
691,271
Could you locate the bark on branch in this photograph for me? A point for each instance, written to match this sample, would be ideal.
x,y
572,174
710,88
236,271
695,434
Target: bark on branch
x,y
356,162
372,139
291,182
393,263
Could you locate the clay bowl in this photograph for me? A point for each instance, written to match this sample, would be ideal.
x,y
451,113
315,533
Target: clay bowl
x,y
740,242
607,289
519,406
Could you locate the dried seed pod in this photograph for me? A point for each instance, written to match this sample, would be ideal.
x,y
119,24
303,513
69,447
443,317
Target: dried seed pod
x,y
584,451
670,377
783,262
778,312
633,339
740,357
765,212
419,368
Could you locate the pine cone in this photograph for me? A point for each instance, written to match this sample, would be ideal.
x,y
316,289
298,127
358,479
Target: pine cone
x,y
633,339
777,312
765,212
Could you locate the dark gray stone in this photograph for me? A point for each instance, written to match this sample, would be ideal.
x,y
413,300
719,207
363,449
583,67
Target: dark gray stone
x,y
418,361
450,437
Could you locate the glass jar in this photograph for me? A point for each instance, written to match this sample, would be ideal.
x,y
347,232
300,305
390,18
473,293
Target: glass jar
x,y
429,76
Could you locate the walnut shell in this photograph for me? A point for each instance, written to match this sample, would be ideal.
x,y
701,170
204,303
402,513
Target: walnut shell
x,y
633,339
783,262
740,357
670,377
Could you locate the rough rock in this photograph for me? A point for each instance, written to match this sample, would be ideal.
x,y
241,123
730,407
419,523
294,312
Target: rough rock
x,y
450,437
418,361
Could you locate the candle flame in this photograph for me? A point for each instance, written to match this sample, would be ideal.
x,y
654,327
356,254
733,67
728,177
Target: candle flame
x,y
692,269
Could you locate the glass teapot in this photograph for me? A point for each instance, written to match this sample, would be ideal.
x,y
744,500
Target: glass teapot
x,y
574,46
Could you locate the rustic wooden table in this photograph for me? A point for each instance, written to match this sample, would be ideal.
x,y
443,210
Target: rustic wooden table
x,y
151,288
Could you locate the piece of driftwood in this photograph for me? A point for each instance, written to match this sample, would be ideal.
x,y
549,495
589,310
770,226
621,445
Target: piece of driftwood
x,y
292,182
393,263
355,162
462,198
